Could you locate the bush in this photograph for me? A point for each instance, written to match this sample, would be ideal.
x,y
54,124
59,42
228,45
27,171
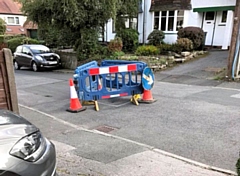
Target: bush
x,y
115,45
2,39
147,50
156,37
117,54
87,45
185,43
14,42
164,48
238,167
129,38
195,34
8,37
176,48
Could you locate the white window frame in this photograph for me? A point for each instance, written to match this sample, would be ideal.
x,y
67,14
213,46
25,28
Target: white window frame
x,y
167,20
221,18
15,20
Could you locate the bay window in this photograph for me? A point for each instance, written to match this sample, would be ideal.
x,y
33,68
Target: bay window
x,y
168,20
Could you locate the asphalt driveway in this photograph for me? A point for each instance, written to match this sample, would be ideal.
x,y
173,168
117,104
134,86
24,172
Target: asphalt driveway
x,y
205,71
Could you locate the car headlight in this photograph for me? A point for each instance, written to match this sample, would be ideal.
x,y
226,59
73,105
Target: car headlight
x,y
30,148
39,58
58,56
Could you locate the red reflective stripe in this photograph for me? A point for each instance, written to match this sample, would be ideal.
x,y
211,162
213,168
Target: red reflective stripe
x,y
132,67
113,69
106,96
94,71
123,94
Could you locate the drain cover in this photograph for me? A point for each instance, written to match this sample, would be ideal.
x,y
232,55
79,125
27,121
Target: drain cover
x,y
105,129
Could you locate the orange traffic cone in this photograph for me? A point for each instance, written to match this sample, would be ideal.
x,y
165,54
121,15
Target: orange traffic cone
x,y
99,84
147,97
75,105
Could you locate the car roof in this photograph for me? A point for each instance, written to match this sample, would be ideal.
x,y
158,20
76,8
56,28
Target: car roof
x,y
35,45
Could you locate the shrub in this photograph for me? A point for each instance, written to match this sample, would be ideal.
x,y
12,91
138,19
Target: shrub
x,y
1,38
147,50
185,43
176,48
129,38
8,37
156,37
14,42
238,167
117,54
195,34
87,45
164,48
115,45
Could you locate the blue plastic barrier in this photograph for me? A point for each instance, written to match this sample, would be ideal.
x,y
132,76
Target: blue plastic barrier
x,y
113,78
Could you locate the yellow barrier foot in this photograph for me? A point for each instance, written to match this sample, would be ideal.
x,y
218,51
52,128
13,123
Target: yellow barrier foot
x,y
88,103
135,99
96,105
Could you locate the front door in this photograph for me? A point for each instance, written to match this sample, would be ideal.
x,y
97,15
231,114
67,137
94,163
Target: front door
x,y
209,26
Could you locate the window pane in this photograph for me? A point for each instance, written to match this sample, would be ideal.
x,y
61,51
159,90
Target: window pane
x,y
164,13
210,16
170,23
156,14
224,17
179,23
156,23
163,24
133,23
126,22
180,13
10,20
171,13
17,20
113,26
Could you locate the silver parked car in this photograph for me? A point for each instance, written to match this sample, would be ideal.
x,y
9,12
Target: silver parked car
x,y
23,149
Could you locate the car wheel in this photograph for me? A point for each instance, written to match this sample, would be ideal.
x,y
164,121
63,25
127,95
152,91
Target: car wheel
x,y
35,67
16,65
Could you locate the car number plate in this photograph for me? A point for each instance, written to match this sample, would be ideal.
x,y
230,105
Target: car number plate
x,y
52,62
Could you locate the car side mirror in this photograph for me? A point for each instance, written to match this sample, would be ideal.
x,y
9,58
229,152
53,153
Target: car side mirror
x,y
29,54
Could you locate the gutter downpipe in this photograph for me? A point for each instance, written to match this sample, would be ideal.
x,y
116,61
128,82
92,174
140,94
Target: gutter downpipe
x,y
144,21
202,20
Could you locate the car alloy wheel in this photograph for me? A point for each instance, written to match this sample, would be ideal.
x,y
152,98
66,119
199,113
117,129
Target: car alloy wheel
x,y
16,66
34,67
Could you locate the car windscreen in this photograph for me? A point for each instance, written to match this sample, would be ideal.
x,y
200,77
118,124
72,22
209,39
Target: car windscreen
x,y
40,49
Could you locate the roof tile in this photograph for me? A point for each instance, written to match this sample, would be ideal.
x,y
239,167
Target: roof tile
x,y
10,7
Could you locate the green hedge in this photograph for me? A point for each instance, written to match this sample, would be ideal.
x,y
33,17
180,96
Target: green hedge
x,y
14,42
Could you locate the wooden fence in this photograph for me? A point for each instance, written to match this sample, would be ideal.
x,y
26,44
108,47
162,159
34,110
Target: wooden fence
x,y
8,93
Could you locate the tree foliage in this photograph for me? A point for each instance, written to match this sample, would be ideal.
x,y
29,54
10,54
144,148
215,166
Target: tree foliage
x,y
2,26
75,17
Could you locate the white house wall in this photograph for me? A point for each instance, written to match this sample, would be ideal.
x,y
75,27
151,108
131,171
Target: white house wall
x,y
222,33
212,3
109,33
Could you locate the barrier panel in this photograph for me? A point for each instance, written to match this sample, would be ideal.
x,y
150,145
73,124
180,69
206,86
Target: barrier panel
x,y
113,78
